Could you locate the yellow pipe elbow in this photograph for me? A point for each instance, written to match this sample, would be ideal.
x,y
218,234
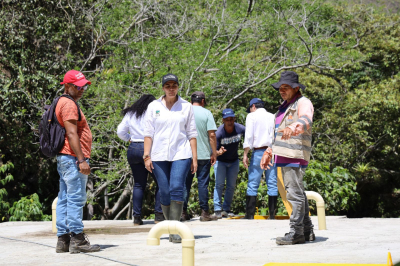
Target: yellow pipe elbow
x,y
320,208
174,227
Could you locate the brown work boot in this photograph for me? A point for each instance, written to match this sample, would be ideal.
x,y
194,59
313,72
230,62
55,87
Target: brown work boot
x,y
205,217
185,216
63,243
80,243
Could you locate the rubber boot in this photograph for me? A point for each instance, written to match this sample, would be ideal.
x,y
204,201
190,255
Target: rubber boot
x,y
175,213
250,207
272,203
165,210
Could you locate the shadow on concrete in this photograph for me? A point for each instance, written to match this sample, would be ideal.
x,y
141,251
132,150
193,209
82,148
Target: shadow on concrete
x,y
107,246
319,239
200,237
195,237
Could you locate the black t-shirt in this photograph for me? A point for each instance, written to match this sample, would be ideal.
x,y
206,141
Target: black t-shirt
x,y
230,141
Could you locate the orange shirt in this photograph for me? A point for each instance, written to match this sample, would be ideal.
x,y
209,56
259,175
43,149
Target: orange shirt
x,y
66,110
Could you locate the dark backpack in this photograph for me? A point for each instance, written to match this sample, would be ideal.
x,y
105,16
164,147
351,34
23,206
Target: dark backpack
x,y
51,133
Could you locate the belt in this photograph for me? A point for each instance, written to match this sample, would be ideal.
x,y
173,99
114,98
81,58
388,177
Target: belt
x,y
259,148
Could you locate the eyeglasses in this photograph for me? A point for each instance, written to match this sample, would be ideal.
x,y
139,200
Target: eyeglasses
x,y
81,87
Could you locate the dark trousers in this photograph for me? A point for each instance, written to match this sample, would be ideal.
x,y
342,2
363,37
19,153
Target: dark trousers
x,y
140,173
203,179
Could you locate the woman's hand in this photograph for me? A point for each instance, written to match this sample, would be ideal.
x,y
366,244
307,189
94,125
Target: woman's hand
x,y
193,167
149,165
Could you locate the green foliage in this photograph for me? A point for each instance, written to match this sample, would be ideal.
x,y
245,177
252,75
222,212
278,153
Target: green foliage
x,y
5,177
28,208
338,187
347,56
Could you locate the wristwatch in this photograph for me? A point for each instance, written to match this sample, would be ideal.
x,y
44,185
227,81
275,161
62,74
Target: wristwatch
x,y
80,161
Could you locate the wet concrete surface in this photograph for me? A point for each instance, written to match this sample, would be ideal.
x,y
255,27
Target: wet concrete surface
x,y
223,242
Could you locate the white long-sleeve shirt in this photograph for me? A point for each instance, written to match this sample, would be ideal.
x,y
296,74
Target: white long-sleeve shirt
x,y
260,126
170,130
131,128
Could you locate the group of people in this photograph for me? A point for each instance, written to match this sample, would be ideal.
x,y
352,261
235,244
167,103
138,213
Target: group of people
x,y
173,140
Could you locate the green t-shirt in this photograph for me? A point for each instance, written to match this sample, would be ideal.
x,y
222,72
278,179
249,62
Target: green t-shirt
x,y
204,122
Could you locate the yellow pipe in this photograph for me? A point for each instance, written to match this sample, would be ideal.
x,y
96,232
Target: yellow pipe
x,y
174,227
282,191
320,208
53,215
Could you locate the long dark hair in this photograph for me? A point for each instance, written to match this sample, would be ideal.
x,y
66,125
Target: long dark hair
x,y
139,107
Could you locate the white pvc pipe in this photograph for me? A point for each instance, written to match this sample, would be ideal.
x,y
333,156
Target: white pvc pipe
x,y
320,208
53,215
174,227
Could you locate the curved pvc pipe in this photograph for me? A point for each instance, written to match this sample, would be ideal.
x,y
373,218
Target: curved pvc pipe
x,y
320,208
174,227
53,215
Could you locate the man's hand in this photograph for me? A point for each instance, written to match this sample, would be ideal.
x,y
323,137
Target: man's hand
x,y
266,159
245,161
84,168
213,158
287,133
221,151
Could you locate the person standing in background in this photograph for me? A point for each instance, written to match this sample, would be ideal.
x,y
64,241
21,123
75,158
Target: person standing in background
x,y
206,155
226,169
131,129
260,130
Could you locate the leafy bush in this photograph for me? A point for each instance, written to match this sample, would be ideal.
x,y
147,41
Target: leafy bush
x,y
28,208
337,187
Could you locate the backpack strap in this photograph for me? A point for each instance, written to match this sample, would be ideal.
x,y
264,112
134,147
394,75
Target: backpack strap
x,y
69,97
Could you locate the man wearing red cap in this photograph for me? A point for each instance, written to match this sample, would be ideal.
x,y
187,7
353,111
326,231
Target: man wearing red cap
x,y
73,167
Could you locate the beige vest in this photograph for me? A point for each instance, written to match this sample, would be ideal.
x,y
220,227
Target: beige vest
x,y
298,147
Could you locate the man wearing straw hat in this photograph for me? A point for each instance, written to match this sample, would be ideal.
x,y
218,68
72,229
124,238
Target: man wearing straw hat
x,y
292,149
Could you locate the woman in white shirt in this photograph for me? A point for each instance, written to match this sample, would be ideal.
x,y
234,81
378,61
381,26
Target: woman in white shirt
x,y
169,144
131,129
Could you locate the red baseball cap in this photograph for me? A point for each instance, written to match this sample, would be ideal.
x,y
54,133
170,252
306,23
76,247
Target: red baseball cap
x,y
75,77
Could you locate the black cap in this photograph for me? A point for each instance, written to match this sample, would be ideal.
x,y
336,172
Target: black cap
x,y
169,77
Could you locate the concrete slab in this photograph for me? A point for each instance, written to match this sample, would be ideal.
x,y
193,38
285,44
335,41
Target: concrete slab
x,y
223,242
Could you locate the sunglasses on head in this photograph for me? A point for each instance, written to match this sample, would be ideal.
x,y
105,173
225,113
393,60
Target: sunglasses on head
x,y
80,87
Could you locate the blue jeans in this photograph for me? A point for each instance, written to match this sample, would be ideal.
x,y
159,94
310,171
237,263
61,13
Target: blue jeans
x,y
229,172
140,173
171,178
203,179
255,173
72,196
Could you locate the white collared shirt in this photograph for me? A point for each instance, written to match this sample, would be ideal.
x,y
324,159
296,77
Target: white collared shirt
x,y
131,128
170,130
260,126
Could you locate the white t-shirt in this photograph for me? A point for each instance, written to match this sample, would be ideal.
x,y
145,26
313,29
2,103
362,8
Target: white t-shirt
x,y
170,130
260,126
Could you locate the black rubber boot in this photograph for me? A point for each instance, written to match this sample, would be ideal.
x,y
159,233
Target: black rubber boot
x,y
175,213
250,207
272,203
